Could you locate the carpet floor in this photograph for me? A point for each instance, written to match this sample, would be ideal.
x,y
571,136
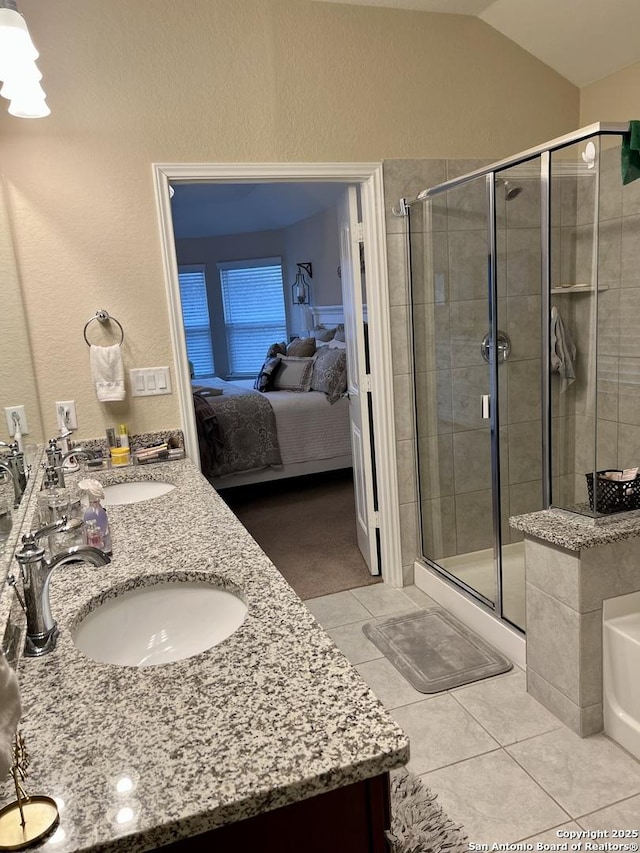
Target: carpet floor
x,y
307,527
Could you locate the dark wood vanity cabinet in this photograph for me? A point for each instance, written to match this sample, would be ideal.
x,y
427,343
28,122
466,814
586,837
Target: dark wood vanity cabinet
x,y
352,819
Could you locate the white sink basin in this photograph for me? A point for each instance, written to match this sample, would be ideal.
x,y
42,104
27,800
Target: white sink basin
x,y
158,624
135,491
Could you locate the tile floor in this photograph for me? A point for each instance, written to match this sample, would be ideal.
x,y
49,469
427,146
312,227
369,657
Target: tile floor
x,y
501,764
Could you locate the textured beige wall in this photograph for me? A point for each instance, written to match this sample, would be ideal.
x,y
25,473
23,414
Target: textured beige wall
x,y
130,84
614,98
317,240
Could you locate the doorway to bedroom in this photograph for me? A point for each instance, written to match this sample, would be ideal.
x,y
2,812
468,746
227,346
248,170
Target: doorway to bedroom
x,y
260,273
221,225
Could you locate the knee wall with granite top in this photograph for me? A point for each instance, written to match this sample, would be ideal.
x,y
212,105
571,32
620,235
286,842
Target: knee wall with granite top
x,y
572,565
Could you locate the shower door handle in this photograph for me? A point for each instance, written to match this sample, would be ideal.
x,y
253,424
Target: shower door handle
x,y
486,407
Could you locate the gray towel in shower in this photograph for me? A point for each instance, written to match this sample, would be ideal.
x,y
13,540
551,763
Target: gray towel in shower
x,y
563,350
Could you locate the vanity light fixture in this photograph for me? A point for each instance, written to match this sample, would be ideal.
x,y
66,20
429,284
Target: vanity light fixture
x,y
18,70
300,286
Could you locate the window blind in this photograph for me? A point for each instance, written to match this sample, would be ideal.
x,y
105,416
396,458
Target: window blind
x,y
254,311
195,316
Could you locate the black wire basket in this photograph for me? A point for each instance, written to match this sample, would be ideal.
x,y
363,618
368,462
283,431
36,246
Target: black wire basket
x,y
612,495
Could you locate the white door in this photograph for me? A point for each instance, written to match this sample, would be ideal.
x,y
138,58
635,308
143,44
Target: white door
x,y
358,381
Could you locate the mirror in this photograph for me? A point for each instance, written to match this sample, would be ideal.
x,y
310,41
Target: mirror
x,y
17,376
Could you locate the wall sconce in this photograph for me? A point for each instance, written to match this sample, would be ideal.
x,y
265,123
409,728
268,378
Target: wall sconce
x,y
18,70
301,285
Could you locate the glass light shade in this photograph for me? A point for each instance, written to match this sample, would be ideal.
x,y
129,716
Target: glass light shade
x,y
15,41
29,108
23,90
300,290
22,70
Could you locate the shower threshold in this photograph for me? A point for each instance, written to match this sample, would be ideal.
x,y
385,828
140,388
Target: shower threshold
x,y
476,569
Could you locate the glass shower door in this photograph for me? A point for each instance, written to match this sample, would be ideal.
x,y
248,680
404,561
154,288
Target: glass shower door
x,y
476,301
450,240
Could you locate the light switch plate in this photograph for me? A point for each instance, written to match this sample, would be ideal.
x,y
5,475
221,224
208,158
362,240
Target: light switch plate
x,y
150,381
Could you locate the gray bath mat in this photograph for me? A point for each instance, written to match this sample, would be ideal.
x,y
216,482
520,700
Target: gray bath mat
x,y
434,651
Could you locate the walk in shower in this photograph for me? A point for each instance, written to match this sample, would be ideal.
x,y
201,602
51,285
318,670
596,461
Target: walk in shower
x,y
525,310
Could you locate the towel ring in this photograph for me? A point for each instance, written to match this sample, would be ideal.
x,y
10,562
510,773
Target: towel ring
x,y
103,317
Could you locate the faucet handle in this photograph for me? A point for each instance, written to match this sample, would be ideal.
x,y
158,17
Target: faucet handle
x,y
30,552
53,451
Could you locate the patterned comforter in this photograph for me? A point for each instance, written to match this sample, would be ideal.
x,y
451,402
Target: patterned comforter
x,y
236,432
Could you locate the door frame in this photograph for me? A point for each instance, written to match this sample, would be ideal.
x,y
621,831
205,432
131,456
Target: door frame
x,y
368,176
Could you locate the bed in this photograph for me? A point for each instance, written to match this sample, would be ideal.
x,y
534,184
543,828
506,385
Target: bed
x,y
248,436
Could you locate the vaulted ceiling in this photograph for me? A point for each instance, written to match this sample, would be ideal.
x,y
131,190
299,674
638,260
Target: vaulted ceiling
x,y
583,40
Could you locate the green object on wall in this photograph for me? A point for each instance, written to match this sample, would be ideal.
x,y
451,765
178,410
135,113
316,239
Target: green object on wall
x,y
631,153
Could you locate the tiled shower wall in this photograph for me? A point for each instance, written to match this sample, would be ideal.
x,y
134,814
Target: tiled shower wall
x,y
452,315
404,178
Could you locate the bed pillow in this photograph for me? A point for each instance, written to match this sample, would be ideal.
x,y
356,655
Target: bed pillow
x,y
336,344
293,374
339,335
302,347
276,348
264,380
322,334
330,373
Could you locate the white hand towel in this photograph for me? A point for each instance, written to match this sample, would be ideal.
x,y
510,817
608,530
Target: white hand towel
x,y
10,713
107,371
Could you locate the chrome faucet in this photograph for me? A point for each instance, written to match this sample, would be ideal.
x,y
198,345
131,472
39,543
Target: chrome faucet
x,y
14,466
78,451
36,571
56,458
4,467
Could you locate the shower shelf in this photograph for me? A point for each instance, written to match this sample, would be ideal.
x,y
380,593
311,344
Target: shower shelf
x,y
577,288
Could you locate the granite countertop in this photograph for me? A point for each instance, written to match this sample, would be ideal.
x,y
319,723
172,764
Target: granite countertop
x,y
272,715
576,532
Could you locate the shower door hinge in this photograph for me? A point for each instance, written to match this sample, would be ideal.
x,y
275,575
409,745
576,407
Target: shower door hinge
x,y
357,232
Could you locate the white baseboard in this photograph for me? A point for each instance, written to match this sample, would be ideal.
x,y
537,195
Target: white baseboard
x,y
499,634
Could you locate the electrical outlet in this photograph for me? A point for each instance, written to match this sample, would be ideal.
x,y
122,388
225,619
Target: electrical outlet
x,y
13,412
66,415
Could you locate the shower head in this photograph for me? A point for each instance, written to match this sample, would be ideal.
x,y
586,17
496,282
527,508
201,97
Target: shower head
x,y
510,190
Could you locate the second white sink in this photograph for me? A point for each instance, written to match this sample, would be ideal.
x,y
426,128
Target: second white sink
x,y
134,491
160,623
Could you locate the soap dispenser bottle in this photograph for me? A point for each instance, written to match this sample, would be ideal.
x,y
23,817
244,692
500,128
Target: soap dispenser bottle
x,y
93,534
95,512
